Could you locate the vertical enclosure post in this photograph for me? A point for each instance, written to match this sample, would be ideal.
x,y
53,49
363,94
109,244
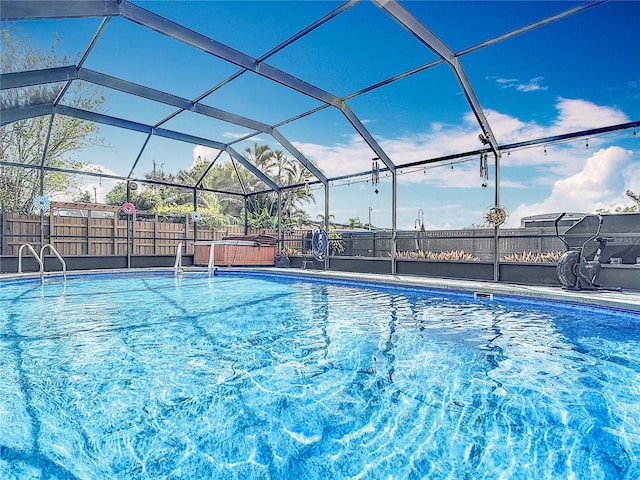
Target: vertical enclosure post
x,y
246,216
195,209
394,207
279,243
129,225
496,229
42,161
326,223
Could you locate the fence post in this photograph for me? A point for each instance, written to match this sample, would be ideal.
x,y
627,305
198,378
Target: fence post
x,y
114,234
186,231
88,234
3,233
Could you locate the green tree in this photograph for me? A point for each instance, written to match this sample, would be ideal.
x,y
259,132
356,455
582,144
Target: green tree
x,y
84,197
174,199
23,141
336,242
634,197
144,198
219,209
355,222
321,217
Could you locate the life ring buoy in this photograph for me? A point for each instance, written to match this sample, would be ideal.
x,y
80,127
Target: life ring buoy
x,y
320,244
128,208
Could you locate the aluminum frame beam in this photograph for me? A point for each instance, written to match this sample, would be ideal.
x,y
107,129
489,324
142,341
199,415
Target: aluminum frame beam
x,y
42,9
37,9
186,105
159,24
171,29
422,33
366,136
47,168
23,113
162,132
465,51
306,163
309,28
67,73
37,77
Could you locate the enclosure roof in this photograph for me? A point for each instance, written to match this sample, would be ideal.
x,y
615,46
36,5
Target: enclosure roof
x,y
219,76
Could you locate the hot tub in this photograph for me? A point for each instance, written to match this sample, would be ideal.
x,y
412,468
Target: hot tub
x,y
247,250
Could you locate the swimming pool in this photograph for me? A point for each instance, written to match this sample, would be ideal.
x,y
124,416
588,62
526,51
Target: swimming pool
x,y
265,376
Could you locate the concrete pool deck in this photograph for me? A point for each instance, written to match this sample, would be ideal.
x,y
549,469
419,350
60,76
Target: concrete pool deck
x,y
625,300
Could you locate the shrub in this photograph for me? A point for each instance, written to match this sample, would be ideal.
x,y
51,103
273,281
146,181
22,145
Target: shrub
x,y
452,255
530,257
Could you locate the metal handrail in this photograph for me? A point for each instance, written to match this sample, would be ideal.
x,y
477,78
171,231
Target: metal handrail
x,y
55,252
33,252
210,265
177,266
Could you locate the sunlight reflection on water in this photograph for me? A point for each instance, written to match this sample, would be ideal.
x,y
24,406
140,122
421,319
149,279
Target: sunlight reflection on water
x,y
261,377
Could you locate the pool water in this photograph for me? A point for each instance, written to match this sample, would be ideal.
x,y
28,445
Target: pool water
x,y
244,376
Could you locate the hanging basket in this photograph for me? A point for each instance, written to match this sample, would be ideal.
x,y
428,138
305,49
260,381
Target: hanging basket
x,y
128,208
41,203
196,217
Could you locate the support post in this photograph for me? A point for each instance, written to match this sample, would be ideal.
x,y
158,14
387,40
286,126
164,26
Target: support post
x,y
42,162
496,229
279,235
326,223
246,216
394,207
195,209
129,227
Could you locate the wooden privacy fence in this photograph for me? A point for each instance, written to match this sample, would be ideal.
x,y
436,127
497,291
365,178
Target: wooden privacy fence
x,y
108,236
477,242
104,233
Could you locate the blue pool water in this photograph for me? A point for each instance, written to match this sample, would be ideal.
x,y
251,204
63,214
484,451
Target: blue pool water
x,y
257,376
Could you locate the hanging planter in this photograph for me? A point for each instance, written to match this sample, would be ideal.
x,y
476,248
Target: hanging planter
x,y
196,217
128,208
41,203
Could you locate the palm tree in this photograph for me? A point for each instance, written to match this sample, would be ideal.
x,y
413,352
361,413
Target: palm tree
x,y
355,222
284,171
321,217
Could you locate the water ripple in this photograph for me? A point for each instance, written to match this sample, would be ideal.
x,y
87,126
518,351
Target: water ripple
x,y
232,377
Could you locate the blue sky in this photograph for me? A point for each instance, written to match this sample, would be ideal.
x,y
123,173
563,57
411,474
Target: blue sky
x,y
578,73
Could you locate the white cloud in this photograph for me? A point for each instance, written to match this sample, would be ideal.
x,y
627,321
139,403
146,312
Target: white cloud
x,y
576,115
600,184
234,135
206,154
201,153
341,158
354,155
97,187
506,81
532,85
